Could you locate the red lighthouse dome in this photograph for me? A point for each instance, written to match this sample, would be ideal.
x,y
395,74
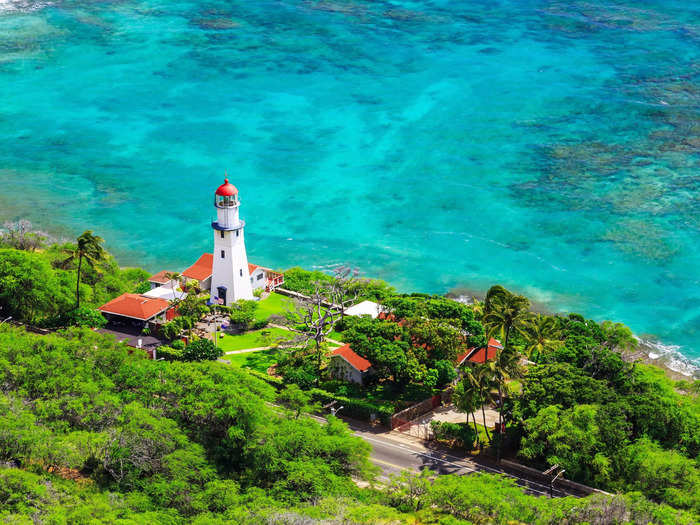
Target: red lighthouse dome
x,y
226,189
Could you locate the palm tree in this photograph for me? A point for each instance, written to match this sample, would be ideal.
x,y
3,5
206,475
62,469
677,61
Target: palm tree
x,y
467,398
505,312
543,334
481,379
173,277
505,366
88,248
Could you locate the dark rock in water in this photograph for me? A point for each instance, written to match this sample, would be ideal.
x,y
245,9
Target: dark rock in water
x,y
216,23
489,51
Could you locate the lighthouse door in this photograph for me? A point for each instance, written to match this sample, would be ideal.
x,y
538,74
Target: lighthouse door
x,y
221,291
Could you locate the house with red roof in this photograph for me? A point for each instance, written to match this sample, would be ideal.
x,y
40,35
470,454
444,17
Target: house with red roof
x,y
135,309
480,355
349,366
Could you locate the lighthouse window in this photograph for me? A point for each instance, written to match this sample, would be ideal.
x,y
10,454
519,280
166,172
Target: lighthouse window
x,y
241,270
237,232
222,234
223,254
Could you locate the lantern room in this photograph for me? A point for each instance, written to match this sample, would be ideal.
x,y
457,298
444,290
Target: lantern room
x,y
226,195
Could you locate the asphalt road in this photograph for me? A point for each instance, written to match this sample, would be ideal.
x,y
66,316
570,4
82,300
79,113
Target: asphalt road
x,y
393,456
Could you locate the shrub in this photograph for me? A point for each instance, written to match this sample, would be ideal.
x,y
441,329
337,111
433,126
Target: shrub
x,y
260,324
460,434
243,313
169,353
201,350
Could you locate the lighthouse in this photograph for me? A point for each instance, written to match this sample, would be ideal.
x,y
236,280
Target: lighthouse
x,y
230,278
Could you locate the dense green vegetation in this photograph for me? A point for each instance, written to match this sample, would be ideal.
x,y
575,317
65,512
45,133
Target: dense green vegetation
x,y
612,424
43,286
90,433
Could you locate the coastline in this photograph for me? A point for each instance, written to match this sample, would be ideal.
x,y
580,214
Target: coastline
x,y
677,366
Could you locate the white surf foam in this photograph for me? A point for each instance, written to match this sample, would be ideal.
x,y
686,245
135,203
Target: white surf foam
x,y
7,6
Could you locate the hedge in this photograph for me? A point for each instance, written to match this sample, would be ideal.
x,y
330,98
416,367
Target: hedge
x,y
357,408
271,380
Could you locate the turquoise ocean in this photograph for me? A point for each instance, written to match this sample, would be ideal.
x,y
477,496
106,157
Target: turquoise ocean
x,y
551,146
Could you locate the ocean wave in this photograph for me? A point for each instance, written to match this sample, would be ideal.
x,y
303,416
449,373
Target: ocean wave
x,y
669,356
9,6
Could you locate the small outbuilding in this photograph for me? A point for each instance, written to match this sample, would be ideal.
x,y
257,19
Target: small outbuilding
x,y
349,366
365,308
160,279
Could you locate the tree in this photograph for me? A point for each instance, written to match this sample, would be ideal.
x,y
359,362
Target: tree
x,y
343,290
20,236
86,316
174,278
437,337
543,334
480,376
505,366
201,350
617,335
242,312
88,248
29,289
468,398
296,400
506,313
313,319
570,438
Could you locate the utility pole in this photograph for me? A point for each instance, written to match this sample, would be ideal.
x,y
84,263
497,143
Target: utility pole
x,y
550,472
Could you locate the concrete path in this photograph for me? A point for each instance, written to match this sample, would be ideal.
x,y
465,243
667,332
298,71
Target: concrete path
x,y
257,349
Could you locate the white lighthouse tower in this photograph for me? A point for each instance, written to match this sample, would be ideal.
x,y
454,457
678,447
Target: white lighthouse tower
x,y
230,279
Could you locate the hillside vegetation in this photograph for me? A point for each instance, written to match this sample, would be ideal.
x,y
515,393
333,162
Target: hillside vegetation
x,y
91,433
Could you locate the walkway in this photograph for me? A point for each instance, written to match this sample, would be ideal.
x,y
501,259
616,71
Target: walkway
x,y
420,427
246,350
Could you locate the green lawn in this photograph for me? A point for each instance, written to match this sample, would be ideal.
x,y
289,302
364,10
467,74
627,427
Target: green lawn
x,y
260,361
336,336
265,337
275,304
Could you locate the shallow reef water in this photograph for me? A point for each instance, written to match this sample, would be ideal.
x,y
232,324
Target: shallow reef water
x,y
551,146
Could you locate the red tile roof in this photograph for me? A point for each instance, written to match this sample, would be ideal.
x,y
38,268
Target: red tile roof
x,y
495,343
481,355
356,361
253,267
160,277
135,306
201,269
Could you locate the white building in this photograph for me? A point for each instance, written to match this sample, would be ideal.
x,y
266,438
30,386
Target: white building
x,y
226,273
365,308
230,280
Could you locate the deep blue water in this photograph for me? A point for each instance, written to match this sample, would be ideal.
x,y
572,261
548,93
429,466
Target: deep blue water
x,y
551,146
